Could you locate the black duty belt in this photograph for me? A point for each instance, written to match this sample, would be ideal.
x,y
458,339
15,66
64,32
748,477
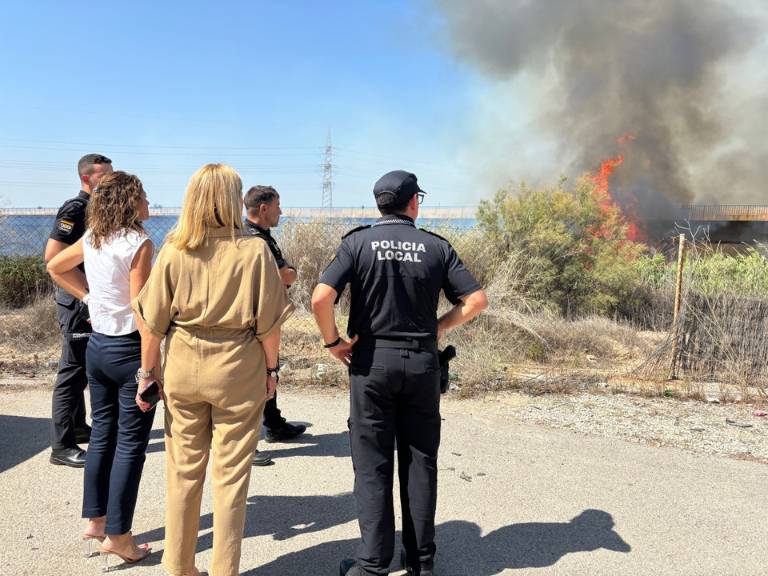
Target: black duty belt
x,y
399,343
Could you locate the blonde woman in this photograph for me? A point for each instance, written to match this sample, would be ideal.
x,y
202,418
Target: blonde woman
x,y
117,254
216,296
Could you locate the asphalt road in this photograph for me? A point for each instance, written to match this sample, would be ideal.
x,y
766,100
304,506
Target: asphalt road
x,y
514,499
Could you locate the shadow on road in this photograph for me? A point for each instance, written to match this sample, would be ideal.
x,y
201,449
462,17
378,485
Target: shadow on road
x,y
22,438
463,551
282,517
158,434
336,445
527,545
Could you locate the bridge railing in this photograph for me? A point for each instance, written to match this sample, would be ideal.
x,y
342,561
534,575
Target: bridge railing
x,y
727,212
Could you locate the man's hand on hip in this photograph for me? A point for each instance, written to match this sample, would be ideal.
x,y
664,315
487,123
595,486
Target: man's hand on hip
x,y
343,350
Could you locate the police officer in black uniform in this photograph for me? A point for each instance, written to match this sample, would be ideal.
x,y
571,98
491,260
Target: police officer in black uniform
x,y
68,413
262,204
396,272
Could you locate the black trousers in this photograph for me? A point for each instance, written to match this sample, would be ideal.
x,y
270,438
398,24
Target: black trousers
x,y
395,398
68,403
272,416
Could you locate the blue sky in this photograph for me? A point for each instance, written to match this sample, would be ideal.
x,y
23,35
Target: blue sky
x,y
164,87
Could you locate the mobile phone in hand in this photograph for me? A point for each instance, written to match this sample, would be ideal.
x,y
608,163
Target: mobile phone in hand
x,y
151,394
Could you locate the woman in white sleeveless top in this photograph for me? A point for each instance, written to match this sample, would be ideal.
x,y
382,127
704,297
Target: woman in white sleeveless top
x,y
117,254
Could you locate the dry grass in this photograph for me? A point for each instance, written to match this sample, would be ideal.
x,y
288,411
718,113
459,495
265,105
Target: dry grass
x,y
725,335
304,361
29,337
720,338
309,247
592,342
34,325
536,353
541,353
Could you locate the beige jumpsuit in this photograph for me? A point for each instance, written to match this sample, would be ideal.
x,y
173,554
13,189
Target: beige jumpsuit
x,y
214,305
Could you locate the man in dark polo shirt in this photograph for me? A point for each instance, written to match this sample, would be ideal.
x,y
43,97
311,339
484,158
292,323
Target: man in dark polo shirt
x,y
68,411
262,204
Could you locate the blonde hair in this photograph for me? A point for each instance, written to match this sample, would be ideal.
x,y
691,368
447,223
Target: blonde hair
x,y
213,200
115,206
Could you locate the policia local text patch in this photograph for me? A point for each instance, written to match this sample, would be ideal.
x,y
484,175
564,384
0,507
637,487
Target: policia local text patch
x,y
402,251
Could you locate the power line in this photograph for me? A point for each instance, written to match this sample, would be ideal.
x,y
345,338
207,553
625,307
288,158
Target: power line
x,y
327,196
165,146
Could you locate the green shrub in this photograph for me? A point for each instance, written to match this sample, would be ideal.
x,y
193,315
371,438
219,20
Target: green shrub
x,y
22,280
578,254
713,273
710,272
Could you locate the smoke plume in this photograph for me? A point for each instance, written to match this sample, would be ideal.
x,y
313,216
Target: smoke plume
x,y
669,75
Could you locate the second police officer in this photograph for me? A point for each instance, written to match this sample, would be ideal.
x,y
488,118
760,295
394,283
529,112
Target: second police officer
x,y
69,426
396,273
262,205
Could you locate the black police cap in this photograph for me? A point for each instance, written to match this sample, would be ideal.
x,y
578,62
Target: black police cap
x,y
396,187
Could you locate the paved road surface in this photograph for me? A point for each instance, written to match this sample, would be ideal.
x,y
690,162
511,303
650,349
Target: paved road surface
x,y
514,499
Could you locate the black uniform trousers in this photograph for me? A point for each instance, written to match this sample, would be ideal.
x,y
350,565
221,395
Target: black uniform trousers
x,y
394,398
68,403
272,416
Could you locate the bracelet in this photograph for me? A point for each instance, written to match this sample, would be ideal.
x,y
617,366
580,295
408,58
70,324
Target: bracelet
x,y
333,344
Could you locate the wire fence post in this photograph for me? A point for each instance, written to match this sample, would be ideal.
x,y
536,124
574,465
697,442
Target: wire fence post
x,y
678,302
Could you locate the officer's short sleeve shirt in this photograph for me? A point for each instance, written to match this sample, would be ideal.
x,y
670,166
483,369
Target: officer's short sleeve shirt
x,y
69,225
459,281
341,269
396,273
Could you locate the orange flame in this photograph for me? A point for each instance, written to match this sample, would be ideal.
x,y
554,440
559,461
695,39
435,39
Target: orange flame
x,y
609,207
602,176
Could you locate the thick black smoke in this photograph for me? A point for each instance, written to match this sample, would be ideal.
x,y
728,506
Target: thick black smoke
x,y
657,69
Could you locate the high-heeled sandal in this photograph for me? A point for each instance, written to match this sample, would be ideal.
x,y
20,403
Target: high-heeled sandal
x,y
107,553
88,541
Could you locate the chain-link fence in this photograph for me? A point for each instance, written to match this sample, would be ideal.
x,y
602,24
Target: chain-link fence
x,y
26,231
308,239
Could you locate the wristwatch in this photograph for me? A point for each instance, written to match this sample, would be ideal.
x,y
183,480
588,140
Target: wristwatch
x,y
274,372
144,374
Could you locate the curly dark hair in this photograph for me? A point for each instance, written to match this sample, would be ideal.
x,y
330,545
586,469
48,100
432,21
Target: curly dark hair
x,y
114,207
